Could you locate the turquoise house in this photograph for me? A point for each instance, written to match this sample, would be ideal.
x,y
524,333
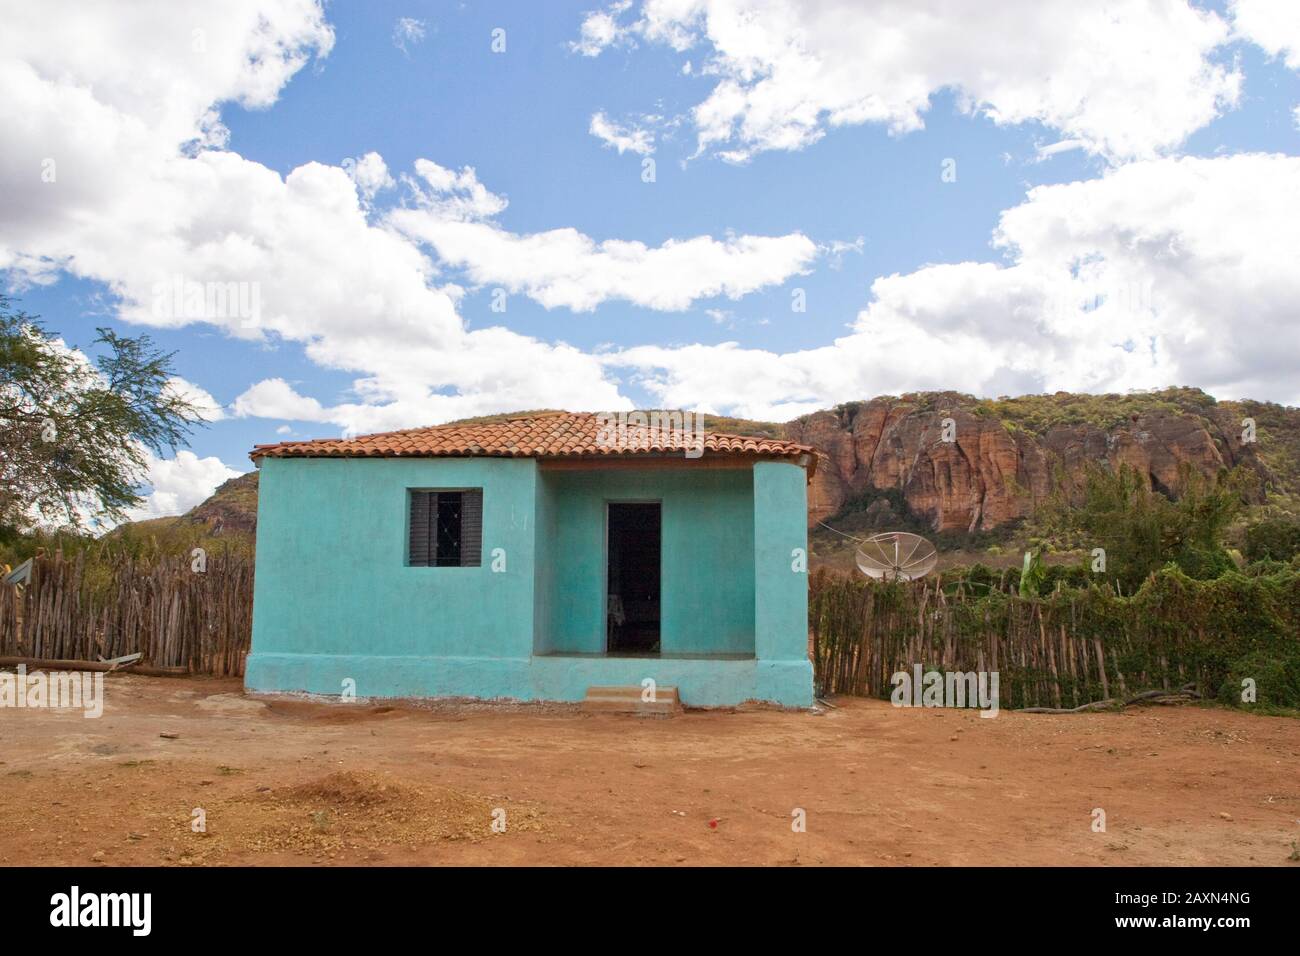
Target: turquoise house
x,y
533,558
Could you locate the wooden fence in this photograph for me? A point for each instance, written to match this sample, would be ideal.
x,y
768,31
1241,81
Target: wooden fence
x,y
1060,651
176,616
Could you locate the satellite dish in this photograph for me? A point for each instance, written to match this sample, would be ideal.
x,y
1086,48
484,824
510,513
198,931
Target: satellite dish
x,y
896,556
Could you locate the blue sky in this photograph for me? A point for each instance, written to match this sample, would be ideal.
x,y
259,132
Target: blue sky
x,y
1181,125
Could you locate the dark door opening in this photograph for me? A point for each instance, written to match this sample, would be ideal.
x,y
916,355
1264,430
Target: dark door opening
x,y
632,614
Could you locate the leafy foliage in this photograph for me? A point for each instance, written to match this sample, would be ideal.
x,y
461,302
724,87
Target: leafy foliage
x,y
1276,539
1141,530
75,436
1276,680
1040,413
1170,631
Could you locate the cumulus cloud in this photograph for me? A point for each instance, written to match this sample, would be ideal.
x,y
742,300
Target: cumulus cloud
x,y
176,485
1161,272
564,267
453,213
601,29
370,173
1126,281
209,409
1274,25
1130,78
276,398
447,194
136,193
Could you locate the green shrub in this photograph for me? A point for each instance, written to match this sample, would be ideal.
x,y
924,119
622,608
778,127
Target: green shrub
x,y
1205,564
1171,631
1141,528
1277,681
1257,569
1276,539
1060,576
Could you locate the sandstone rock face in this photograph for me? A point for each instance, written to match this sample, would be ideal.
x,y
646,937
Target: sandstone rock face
x,y
232,507
980,473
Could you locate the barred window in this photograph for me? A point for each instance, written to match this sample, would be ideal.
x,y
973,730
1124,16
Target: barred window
x,y
446,529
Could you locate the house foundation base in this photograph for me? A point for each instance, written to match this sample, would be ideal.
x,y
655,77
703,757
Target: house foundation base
x,y
701,682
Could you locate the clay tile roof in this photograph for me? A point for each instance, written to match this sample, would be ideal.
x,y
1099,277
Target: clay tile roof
x,y
543,435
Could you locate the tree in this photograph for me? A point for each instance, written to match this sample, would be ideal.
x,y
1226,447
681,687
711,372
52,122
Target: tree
x,y
1273,539
1141,530
75,436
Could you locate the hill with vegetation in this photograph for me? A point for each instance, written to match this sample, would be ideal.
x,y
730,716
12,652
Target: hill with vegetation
x,y
884,465
979,483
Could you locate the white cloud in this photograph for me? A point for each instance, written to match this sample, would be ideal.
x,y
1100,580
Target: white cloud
x,y
209,409
837,249
635,139
1272,24
600,29
178,484
1275,26
370,173
276,398
564,267
1062,146
120,103
408,30
1159,273
1129,78
453,195
452,214
123,102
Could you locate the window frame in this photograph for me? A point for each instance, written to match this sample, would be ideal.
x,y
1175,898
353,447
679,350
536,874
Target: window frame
x,y
431,545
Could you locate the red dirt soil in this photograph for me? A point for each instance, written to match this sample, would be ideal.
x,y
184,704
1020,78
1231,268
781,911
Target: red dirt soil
x,y
286,780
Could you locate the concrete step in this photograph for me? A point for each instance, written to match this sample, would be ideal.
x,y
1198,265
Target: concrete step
x,y
628,700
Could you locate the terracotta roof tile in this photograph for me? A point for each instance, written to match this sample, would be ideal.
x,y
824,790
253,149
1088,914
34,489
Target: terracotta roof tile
x,y
562,435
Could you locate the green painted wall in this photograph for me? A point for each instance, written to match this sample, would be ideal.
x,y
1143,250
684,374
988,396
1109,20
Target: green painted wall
x,y
781,527
546,583
331,560
707,599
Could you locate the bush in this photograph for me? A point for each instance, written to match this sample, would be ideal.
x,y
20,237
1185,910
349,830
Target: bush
x,y
1277,681
1205,564
1259,569
1275,539
1068,576
1141,528
1172,631
975,579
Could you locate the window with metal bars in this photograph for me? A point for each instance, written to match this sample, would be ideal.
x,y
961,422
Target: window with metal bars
x,y
446,529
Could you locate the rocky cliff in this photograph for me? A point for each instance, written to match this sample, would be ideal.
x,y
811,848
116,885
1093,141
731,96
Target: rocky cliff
x,y
958,464
231,509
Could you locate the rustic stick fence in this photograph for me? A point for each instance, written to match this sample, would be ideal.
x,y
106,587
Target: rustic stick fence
x,y
72,609
1064,650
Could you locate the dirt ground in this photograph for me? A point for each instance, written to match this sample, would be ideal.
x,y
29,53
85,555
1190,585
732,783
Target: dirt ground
x,y
285,781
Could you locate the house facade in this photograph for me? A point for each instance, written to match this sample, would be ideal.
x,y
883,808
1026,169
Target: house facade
x,y
531,559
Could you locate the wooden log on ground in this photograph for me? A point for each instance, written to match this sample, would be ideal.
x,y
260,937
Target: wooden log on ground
x,y
52,664
1186,695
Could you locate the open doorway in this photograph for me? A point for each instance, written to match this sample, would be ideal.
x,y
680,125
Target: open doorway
x,y
632,613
